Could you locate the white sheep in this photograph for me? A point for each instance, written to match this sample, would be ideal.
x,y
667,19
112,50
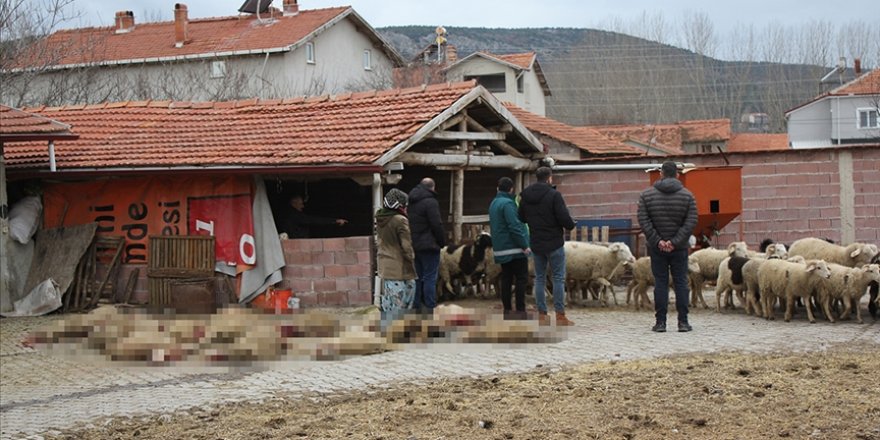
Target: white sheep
x,y
849,285
642,277
725,285
750,278
708,260
784,279
587,263
853,255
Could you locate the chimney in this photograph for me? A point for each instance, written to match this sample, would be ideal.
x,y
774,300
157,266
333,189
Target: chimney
x,y
857,66
290,7
124,21
180,24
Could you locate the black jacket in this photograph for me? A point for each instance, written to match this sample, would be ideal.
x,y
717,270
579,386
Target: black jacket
x,y
543,209
424,220
296,223
667,211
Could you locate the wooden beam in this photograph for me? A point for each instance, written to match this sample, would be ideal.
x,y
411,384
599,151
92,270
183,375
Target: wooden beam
x,y
457,204
475,218
504,146
465,160
453,121
467,136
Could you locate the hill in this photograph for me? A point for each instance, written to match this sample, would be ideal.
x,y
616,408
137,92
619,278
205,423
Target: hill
x,y
601,77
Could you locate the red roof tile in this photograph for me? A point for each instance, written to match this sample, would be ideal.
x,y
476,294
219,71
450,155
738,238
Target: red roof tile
x,y
867,84
670,137
584,138
357,130
523,60
16,124
207,36
757,142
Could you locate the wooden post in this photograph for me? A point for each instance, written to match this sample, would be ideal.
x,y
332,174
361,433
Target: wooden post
x,y
458,185
377,205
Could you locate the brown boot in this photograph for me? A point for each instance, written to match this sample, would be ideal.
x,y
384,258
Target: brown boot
x,y
562,321
543,319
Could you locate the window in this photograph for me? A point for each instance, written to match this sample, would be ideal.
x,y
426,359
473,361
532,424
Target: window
x,y
868,118
706,148
494,83
310,53
368,59
519,84
218,69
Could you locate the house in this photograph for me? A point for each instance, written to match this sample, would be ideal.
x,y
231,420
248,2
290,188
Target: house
x,y
515,78
277,53
845,115
143,168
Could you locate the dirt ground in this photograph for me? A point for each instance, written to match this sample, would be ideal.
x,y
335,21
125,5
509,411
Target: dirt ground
x,y
824,395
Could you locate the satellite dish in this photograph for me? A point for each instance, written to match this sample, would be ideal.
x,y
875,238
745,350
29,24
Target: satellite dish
x,y
255,6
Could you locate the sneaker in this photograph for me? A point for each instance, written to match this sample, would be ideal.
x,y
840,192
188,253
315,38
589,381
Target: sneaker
x,y
659,327
562,320
684,327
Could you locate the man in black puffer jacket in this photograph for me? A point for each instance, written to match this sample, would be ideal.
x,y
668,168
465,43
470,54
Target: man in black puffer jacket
x,y
544,210
668,214
428,237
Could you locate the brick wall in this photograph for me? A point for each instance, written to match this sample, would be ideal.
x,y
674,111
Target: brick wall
x,y
329,271
786,195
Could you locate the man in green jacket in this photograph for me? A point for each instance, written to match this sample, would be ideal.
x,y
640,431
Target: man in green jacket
x,y
510,246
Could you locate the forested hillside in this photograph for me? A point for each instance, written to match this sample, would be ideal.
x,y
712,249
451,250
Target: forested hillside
x,y
600,77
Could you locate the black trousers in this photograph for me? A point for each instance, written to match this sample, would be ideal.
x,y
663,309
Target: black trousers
x,y
517,269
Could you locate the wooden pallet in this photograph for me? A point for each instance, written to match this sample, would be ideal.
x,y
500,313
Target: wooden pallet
x,y
175,258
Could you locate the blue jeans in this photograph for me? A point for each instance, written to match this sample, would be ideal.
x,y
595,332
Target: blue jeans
x,y
557,272
661,264
427,264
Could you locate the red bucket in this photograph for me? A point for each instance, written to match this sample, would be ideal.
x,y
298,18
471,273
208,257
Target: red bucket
x,y
274,299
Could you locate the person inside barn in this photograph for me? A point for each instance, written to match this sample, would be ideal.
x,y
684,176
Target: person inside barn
x,y
667,213
296,223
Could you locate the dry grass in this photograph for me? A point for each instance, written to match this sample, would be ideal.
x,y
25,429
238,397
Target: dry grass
x,y
827,395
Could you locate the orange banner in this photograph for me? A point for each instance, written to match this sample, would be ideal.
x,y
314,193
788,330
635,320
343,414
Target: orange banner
x,y
140,207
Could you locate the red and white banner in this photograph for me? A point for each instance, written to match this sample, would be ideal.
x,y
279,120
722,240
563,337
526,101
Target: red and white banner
x,y
140,207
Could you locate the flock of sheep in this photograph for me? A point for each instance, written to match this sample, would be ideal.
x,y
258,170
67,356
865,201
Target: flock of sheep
x,y
811,272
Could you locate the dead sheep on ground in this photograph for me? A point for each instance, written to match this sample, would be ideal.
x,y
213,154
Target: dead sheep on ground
x,y
786,280
586,263
708,260
853,255
642,277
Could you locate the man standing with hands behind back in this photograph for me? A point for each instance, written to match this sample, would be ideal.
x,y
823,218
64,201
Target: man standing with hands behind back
x,y
668,214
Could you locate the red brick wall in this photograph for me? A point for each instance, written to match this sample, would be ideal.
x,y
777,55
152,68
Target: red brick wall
x,y
329,271
786,195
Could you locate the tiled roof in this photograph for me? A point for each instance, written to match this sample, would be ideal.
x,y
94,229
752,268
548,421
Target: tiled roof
x,y
523,60
867,84
352,129
757,142
16,124
584,138
670,137
152,41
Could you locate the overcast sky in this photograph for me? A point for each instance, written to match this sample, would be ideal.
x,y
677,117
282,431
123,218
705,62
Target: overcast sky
x,y
522,13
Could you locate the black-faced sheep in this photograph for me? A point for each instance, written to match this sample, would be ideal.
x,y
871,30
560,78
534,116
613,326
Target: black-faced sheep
x,y
709,260
732,275
586,263
463,262
854,255
784,279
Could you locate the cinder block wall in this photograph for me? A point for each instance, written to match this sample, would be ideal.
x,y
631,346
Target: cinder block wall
x,y
786,195
329,271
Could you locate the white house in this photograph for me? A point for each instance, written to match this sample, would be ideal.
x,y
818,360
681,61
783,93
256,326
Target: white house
x,y
515,78
843,116
276,53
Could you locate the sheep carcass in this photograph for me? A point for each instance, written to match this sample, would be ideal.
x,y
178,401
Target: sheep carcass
x,y
853,255
586,263
784,279
462,262
708,260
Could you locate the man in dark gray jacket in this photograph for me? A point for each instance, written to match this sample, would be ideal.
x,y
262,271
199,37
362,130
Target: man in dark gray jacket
x,y
428,237
668,214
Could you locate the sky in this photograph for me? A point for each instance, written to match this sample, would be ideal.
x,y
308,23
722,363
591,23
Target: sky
x,y
724,15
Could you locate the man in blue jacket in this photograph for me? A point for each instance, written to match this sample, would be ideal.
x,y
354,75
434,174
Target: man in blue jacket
x,y
544,210
510,246
668,214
